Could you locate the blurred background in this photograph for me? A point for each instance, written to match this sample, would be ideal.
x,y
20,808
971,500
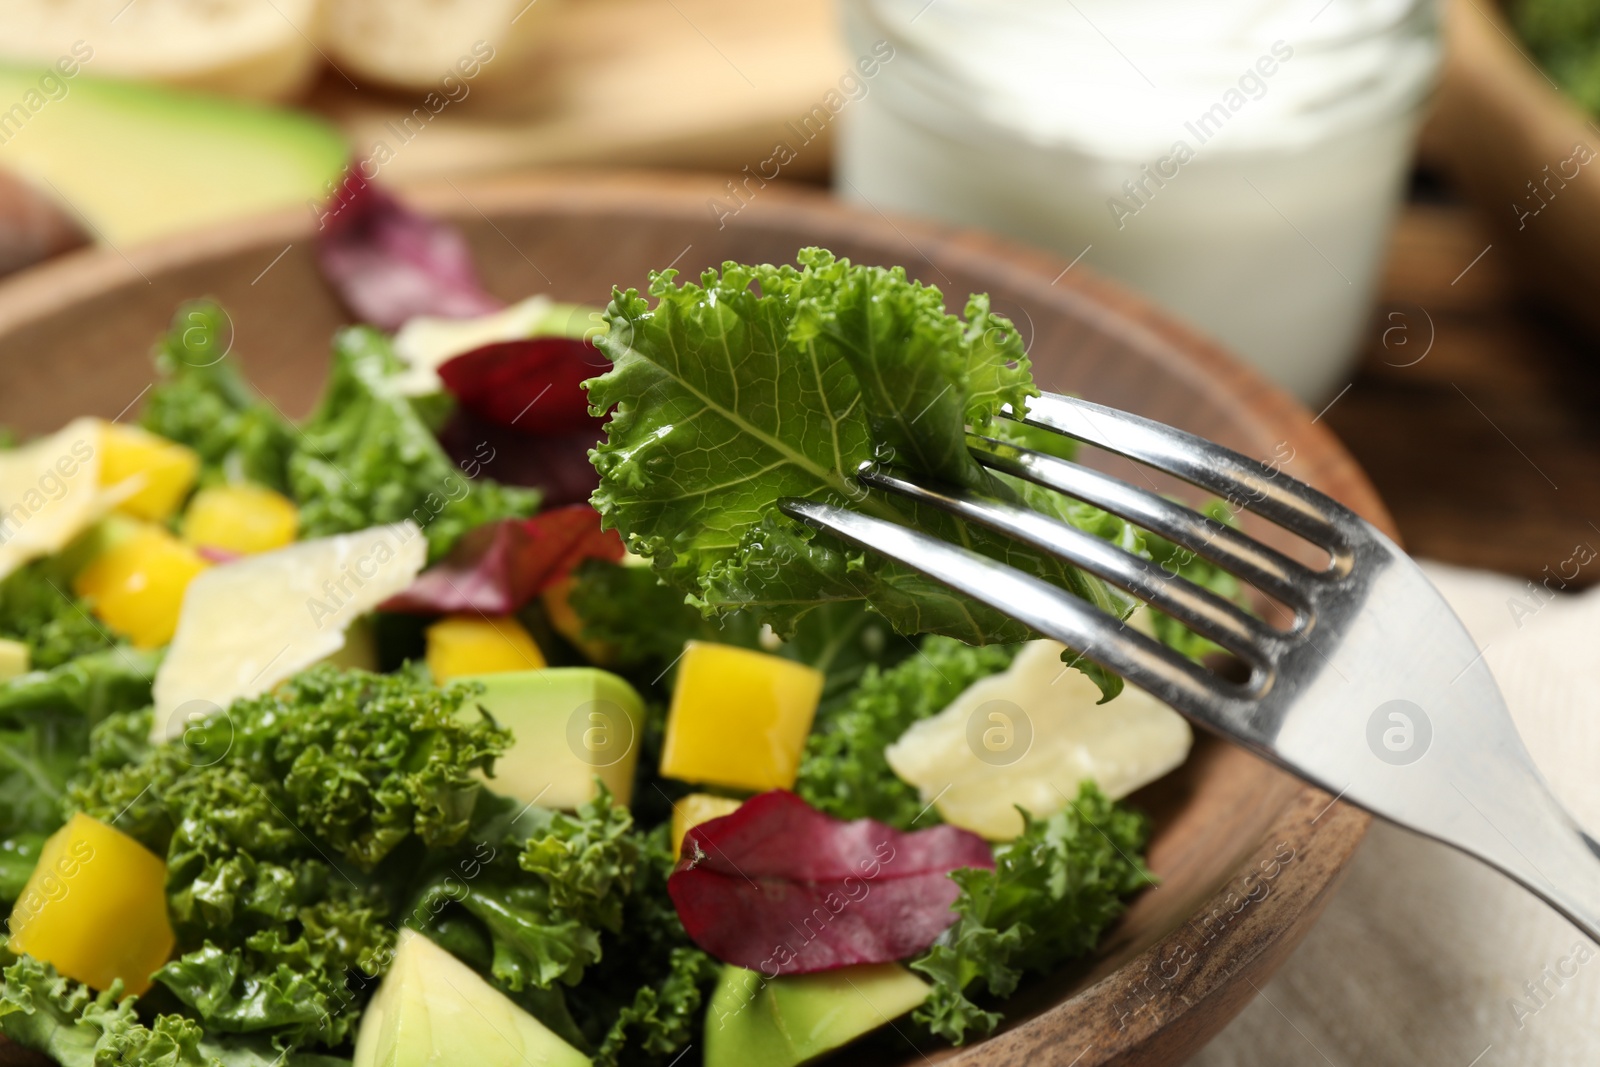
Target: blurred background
x,y
1385,205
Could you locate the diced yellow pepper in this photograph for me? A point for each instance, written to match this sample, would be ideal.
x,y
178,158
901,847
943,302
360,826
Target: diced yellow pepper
x,y
95,907
739,718
459,645
169,469
240,518
14,659
565,621
694,809
137,584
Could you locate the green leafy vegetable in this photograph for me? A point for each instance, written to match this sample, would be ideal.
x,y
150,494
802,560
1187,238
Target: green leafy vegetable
x,y
76,1027
1184,563
663,1018
202,401
1051,893
46,719
1565,37
37,609
764,383
645,624
843,770
274,818
367,458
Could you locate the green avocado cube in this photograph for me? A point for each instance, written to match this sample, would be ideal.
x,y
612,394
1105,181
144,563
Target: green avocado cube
x,y
755,1021
569,725
432,1009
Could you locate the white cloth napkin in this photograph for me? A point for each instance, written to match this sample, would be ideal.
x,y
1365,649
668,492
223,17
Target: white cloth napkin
x,y
1425,958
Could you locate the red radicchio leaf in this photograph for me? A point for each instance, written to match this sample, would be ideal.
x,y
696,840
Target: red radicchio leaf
x,y
533,384
781,888
557,465
500,566
389,263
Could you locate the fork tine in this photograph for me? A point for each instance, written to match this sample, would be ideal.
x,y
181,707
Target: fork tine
x,y
1199,609
1271,572
1043,607
1242,481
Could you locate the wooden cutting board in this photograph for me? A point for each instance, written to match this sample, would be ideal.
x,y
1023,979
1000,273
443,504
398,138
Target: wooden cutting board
x,y
703,83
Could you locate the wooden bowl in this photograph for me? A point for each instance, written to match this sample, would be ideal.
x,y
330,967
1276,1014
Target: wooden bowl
x,y
1247,856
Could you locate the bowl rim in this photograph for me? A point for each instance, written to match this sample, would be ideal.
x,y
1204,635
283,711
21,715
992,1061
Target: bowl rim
x,y
1195,992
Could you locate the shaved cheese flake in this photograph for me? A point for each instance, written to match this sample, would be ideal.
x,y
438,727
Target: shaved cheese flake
x,y
50,492
249,624
1028,737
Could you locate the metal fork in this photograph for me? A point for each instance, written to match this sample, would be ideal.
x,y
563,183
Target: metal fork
x,y
1375,692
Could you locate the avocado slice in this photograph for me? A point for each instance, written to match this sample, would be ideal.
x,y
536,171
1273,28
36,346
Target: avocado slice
x,y
137,161
754,1021
433,1009
568,725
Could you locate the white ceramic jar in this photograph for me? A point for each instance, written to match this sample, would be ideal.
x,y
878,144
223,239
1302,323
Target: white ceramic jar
x,y
1239,161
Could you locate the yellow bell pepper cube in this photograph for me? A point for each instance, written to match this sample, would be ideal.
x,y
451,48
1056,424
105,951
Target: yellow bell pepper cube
x,y
168,469
95,907
240,518
694,809
459,645
137,584
15,659
739,718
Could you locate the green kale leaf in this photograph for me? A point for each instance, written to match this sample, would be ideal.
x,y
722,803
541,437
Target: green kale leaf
x,y
645,623
1052,892
1184,563
664,1017
37,610
46,723
843,770
204,402
275,818
366,458
76,1027
765,383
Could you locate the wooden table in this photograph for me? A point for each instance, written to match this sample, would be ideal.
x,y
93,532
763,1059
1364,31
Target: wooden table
x,y
1487,448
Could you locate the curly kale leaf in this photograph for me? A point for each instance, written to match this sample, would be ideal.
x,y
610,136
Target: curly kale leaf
x,y
39,611
46,724
1184,563
272,817
1052,892
664,1017
765,383
586,861
644,623
843,770
204,402
76,1027
366,458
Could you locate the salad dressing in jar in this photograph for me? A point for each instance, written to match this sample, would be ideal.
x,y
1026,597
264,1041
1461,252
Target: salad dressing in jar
x,y
1238,161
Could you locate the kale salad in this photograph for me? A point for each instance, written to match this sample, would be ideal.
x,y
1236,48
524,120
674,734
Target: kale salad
x,y
495,713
